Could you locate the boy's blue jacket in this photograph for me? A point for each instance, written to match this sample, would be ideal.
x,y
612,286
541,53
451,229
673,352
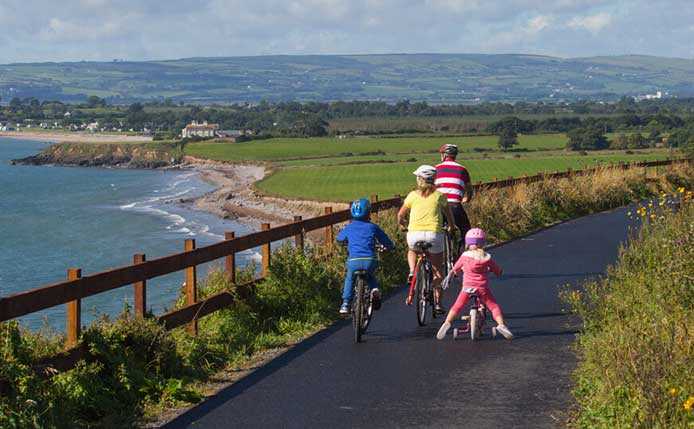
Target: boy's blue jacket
x,y
361,239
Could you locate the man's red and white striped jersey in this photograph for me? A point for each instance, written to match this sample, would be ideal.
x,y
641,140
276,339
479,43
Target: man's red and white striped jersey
x,y
451,179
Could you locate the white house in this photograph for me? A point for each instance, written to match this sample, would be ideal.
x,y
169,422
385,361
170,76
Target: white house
x,y
197,129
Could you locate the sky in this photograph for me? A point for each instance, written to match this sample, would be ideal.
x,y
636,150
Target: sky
x,y
74,30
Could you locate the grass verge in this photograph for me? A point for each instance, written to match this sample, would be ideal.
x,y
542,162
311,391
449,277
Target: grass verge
x,y
636,349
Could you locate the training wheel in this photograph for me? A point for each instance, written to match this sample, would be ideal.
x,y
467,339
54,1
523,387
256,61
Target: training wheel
x,y
455,333
493,332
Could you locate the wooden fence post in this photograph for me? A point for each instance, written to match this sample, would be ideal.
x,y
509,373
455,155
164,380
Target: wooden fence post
x,y
266,252
191,286
329,231
374,213
230,260
74,313
299,238
140,289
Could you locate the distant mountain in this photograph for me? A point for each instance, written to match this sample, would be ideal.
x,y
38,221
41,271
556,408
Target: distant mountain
x,y
450,78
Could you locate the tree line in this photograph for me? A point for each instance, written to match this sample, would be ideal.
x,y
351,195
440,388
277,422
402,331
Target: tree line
x,y
311,118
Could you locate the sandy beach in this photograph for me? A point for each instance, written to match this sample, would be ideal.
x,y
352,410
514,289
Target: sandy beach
x,y
236,198
73,137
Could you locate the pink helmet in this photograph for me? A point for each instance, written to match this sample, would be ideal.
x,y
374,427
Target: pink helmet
x,y
475,236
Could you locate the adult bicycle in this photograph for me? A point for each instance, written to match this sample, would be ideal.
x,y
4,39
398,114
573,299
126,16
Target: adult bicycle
x,y
421,289
450,252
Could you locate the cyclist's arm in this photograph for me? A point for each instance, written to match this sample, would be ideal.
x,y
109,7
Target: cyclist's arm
x,y
383,238
495,268
342,235
467,190
402,215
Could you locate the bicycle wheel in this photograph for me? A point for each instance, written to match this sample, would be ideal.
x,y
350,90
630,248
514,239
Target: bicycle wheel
x,y
430,289
473,324
448,254
368,308
357,309
421,296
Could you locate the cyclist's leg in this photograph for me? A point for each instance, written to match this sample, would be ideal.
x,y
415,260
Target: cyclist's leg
x,y
462,223
460,302
370,266
489,301
348,288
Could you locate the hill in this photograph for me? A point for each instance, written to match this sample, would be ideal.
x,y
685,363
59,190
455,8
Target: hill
x,y
450,78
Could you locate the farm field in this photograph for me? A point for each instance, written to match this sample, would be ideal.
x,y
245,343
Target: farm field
x,y
296,148
347,182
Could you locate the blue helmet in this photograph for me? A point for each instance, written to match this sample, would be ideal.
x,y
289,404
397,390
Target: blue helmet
x,y
360,208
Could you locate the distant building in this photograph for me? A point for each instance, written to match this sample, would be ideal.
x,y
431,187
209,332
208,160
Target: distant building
x,y
93,127
197,129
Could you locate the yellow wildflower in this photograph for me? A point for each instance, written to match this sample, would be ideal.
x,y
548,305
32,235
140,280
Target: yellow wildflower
x,y
672,391
689,403
680,190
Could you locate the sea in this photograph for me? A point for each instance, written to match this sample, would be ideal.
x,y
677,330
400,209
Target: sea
x,y
53,218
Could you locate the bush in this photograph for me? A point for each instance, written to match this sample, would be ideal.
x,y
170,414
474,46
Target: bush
x,y
635,348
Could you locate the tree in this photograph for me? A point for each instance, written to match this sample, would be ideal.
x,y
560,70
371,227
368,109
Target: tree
x,y
586,139
93,101
507,139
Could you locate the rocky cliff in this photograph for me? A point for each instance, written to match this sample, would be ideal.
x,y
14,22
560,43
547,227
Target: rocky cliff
x,y
126,155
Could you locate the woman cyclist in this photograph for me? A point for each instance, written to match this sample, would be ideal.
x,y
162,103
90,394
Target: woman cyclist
x,y
426,208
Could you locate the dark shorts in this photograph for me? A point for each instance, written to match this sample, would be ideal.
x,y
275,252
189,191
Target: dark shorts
x,y
462,222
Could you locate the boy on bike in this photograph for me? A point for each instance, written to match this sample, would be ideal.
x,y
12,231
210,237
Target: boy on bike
x,y
362,236
453,180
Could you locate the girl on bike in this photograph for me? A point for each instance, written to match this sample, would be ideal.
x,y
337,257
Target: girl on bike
x,y
426,208
476,265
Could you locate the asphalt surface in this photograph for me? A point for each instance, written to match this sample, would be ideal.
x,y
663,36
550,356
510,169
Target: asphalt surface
x,y
401,376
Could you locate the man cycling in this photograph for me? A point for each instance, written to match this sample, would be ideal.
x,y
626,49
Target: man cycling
x,y
453,180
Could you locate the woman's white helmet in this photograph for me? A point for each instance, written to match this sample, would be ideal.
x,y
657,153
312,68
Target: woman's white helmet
x,y
426,172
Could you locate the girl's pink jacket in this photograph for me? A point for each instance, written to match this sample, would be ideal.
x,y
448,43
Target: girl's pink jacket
x,y
476,266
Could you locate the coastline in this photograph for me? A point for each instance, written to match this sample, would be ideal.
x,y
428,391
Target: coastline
x,y
236,198
73,137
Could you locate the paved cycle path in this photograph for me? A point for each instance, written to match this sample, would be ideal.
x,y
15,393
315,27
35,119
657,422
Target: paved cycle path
x,y
401,376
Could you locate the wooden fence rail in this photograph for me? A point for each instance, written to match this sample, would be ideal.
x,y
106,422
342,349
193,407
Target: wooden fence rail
x,y
77,287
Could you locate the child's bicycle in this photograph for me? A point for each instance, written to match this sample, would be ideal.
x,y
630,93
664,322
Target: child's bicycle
x,y
421,286
362,305
476,319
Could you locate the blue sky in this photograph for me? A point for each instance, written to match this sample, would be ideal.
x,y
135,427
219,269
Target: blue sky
x,y
72,30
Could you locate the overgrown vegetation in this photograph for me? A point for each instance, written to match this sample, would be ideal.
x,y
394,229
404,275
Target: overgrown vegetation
x,y
134,365
636,348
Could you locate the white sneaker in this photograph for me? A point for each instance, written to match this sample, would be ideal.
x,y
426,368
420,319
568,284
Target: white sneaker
x,y
442,331
503,330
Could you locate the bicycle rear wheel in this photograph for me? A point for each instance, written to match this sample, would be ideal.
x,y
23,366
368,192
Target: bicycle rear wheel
x,y
421,294
358,309
368,308
474,329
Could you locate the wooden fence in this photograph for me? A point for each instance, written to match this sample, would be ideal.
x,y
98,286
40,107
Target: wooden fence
x,y
76,287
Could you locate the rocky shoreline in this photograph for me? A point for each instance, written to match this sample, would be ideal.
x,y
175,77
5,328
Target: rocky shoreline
x,y
236,198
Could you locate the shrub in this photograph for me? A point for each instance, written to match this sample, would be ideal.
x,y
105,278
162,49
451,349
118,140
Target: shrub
x,y
635,348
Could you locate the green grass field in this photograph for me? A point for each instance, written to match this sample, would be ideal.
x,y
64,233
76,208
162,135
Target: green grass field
x,y
343,169
294,148
345,183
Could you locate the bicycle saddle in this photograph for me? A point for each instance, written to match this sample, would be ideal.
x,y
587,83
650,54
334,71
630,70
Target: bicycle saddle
x,y
360,273
422,246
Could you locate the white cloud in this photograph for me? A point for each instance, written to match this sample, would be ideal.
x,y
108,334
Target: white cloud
x,y
47,30
593,23
539,23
